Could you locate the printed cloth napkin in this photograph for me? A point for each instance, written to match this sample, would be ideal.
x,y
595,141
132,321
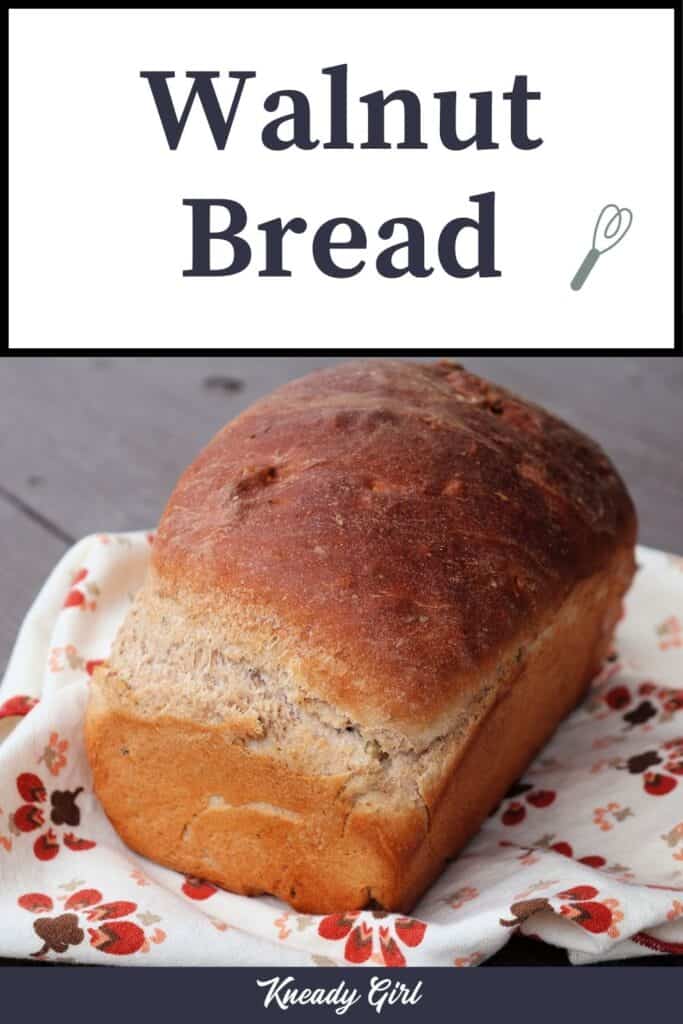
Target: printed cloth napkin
x,y
585,852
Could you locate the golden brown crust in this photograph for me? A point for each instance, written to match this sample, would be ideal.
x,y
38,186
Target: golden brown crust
x,y
373,597
394,526
187,795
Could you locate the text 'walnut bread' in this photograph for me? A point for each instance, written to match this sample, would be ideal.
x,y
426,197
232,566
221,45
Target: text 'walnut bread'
x,y
372,598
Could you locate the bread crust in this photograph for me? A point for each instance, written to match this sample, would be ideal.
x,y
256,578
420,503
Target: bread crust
x,y
372,598
187,795
395,524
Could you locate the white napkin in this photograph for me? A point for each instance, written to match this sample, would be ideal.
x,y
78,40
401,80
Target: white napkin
x,y
586,853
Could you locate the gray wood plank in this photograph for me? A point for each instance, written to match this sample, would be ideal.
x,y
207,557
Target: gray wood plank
x,y
96,444
102,441
29,551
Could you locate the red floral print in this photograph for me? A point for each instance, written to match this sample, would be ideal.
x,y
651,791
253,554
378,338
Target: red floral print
x,y
657,784
35,902
118,939
61,657
46,847
54,754
469,961
618,697
31,787
541,798
593,916
676,911
361,928
17,706
657,766
601,815
461,896
563,847
31,815
638,708
110,934
75,843
281,924
84,898
139,878
515,812
673,701
80,591
672,838
579,905
655,781
628,721
197,888
671,632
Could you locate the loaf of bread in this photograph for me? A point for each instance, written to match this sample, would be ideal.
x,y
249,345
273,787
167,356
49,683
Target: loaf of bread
x,y
372,598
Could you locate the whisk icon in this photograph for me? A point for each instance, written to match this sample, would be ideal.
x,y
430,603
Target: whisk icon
x,y
611,226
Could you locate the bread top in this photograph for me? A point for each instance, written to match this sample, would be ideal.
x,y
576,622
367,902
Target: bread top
x,y
383,532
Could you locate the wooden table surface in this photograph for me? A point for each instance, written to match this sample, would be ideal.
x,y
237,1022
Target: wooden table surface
x,y
94,444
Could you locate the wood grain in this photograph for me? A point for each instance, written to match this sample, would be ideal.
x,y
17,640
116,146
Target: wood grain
x,y
92,444
28,553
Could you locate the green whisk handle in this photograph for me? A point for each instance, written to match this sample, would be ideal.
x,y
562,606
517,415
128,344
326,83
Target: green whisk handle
x,y
584,270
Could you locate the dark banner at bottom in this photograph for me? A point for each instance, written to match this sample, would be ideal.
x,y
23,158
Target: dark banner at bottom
x,y
177,994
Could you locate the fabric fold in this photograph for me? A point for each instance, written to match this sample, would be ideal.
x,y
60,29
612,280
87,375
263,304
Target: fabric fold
x,y
585,852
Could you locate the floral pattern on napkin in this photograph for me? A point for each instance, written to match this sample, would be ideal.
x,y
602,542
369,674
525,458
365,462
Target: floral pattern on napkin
x,y
584,852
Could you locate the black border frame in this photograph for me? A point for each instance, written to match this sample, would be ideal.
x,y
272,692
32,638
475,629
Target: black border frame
x,y
640,998
676,349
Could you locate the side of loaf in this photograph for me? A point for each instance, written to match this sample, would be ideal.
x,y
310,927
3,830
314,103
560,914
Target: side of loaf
x,y
372,599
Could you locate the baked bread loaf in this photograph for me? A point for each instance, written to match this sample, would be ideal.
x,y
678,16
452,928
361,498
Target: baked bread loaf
x,y
371,600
